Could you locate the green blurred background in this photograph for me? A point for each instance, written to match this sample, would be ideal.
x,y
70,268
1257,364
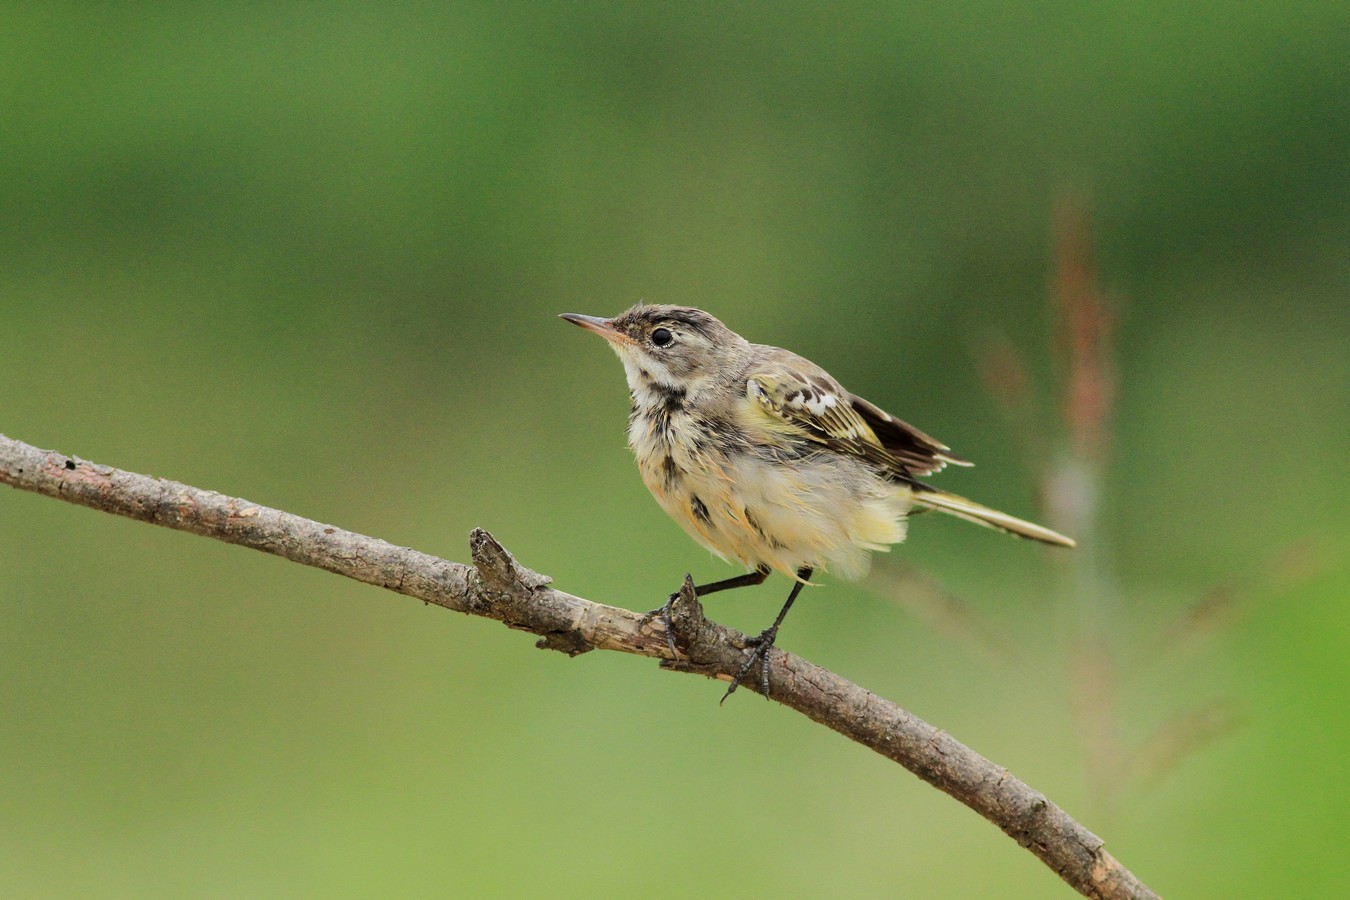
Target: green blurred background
x,y
311,255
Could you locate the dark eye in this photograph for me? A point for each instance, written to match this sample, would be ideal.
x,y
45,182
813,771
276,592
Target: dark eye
x,y
662,336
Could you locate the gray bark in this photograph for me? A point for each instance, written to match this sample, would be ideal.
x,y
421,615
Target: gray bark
x,y
498,587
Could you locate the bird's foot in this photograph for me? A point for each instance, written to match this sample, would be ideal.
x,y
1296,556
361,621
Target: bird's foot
x,y
759,647
663,613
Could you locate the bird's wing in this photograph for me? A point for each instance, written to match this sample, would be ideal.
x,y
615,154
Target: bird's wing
x,y
916,451
797,393
800,398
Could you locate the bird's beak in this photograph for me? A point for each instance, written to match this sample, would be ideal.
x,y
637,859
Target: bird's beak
x,y
599,326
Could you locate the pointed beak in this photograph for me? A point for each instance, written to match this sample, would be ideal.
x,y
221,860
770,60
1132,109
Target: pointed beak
x,y
599,326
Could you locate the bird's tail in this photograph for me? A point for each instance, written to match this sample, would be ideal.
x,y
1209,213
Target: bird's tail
x,y
971,511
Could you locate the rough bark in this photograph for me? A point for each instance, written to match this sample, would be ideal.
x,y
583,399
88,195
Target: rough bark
x,y
498,587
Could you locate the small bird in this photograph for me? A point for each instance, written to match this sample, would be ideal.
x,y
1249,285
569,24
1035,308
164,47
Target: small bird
x,y
765,459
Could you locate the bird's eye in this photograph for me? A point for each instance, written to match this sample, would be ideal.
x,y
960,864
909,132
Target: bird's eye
x,y
662,336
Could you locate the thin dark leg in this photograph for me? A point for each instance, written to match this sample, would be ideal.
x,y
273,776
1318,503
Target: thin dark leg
x,y
749,579
765,640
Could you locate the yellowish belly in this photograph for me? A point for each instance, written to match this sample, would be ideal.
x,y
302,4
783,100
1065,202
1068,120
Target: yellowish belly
x,y
825,511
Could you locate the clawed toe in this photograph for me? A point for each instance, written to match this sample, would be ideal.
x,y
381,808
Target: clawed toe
x,y
759,647
663,612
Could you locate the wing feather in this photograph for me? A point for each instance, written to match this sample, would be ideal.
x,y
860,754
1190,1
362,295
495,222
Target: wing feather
x,y
916,451
804,398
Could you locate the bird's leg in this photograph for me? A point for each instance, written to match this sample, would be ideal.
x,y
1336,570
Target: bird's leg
x,y
749,579
764,641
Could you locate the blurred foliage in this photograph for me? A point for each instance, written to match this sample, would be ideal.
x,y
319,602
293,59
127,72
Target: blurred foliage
x,y
310,254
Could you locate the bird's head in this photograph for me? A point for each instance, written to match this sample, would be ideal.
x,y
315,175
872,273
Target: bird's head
x,y
669,348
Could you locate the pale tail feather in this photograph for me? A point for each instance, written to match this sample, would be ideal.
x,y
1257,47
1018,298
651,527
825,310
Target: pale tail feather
x,y
990,518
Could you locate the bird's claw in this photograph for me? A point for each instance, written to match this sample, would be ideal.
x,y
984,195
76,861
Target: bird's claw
x,y
663,612
759,647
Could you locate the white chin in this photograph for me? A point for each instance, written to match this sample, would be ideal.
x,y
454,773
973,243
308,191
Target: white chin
x,y
644,372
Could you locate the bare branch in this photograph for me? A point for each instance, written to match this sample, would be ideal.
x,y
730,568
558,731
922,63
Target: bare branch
x,y
498,587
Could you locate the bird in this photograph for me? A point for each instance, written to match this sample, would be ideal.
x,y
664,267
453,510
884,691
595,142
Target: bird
x,y
766,460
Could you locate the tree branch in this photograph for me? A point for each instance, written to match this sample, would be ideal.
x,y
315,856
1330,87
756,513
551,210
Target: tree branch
x,y
498,587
